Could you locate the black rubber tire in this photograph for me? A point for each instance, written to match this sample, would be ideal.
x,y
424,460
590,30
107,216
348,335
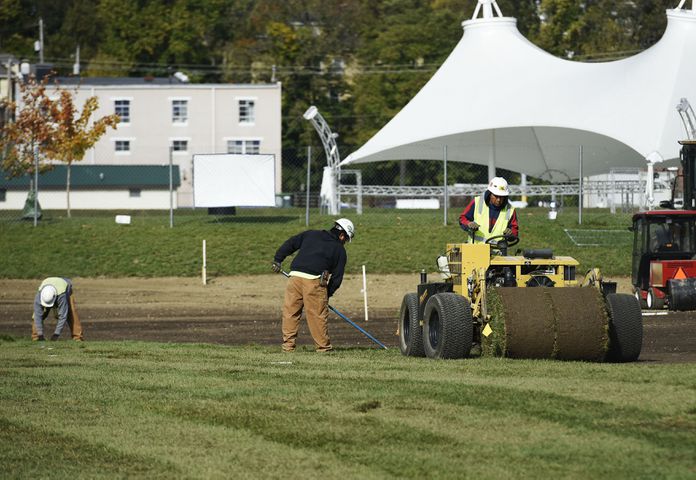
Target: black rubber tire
x,y
540,281
641,300
656,303
625,328
448,327
410,329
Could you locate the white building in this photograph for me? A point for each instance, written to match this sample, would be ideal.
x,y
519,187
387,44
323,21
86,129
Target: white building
x,y
162,113
96,187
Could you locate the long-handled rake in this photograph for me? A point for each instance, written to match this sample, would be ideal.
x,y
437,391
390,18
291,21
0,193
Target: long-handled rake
x,y
358,327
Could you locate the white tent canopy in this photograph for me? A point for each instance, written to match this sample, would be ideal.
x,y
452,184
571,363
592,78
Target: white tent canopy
x,y
498,99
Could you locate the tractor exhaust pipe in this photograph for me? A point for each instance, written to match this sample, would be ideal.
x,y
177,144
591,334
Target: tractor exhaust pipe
x,y
355,325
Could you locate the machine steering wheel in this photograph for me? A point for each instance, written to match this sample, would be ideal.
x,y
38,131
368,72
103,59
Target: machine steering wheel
x,y
510,240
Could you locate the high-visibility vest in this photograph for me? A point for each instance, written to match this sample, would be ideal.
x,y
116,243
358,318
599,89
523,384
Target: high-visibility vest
x,y
60,284
481,216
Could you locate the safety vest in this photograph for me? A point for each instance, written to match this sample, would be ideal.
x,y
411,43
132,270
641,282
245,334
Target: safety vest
x,y
60,284
481,216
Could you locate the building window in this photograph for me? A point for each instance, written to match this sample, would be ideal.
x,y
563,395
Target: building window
x,y
179,111
3,195
122,109
122,145
246,111
134,192
180,145
244,146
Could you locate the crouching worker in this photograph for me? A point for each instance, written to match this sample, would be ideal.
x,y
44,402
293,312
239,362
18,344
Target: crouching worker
x,y
55,293
316,273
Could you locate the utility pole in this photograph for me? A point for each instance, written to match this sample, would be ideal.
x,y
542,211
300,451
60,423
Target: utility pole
x,y
41,41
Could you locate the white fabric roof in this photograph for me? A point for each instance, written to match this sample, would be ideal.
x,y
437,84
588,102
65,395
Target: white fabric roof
x,y
499,96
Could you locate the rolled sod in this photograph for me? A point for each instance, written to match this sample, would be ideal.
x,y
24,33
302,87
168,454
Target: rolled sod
x,y
563,323
582,324
522,321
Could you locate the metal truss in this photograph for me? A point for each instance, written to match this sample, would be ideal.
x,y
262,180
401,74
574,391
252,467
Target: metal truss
x,y
473,189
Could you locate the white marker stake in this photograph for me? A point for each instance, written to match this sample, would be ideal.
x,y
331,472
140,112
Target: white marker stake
x,y
364,290
204,272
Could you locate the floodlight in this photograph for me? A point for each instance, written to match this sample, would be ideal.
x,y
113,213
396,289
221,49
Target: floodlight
x,y
310,113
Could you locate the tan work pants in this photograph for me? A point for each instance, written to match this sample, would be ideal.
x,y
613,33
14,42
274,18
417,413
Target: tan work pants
x,y
302,292
73,322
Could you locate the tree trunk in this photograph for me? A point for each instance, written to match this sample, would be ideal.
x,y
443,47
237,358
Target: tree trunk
x,y
67,186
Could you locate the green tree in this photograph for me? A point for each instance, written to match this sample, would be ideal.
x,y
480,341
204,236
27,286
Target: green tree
x,y
600,30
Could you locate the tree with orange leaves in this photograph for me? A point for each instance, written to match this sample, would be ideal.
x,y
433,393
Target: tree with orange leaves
x,y
55,129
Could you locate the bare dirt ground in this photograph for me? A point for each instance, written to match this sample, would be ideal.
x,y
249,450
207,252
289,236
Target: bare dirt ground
x,y
246,310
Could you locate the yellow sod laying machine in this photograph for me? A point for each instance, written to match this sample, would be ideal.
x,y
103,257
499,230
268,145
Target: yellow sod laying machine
x,y
528,305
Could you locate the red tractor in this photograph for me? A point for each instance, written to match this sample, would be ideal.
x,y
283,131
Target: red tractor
x,y
664,248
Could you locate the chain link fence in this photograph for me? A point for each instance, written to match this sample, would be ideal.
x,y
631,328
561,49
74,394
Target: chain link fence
x,y
427,191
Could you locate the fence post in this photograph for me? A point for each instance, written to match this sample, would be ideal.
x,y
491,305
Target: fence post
x,y
309,160
36,185
171,188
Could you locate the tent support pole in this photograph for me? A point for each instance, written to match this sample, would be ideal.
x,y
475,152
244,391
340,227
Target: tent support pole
x,y
580,187
491,157
446,196
523,184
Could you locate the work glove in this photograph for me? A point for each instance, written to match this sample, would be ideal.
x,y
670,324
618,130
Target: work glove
x,y
54,337
473,226
276,267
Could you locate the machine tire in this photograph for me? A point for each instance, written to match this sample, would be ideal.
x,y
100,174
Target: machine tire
x,y
653,302
643,303
410,329
540,281
448,326
625,328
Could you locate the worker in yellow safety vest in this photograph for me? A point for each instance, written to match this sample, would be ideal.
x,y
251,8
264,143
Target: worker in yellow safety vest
x,y
490,214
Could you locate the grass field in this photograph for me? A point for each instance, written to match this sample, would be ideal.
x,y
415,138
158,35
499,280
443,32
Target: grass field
x,y
387,241
138,410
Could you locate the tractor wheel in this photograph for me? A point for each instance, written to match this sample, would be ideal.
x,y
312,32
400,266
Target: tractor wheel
x,y
625,328
448,327
410,329
540,281
643,303
653,302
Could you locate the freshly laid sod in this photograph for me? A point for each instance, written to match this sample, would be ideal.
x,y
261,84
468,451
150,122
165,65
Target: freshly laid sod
x,y
142,410
91,244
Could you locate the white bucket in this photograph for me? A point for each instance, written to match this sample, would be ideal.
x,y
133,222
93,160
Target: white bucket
x,y
552,214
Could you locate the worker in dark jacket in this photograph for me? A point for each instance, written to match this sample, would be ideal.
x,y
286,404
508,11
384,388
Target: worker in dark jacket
x,y
315,275
55,293
490,215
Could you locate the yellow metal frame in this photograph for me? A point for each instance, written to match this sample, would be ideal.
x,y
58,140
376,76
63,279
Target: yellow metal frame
x,y
467,259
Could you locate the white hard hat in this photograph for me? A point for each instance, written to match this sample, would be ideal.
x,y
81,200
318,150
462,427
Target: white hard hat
x,y
48,296
347,226
498,186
